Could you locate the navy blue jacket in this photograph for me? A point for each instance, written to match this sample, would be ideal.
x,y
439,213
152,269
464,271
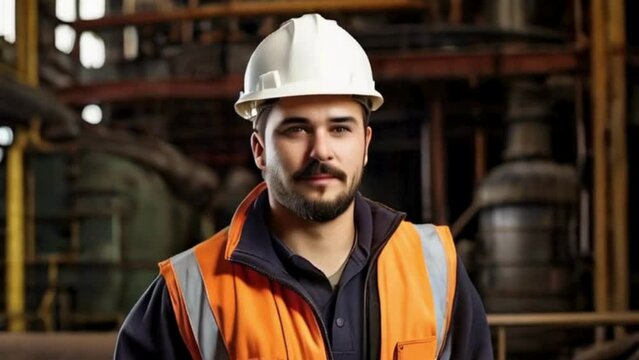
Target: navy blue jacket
x,y
150,330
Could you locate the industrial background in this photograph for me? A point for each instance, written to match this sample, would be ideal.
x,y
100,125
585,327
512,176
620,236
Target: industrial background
x,y
516,122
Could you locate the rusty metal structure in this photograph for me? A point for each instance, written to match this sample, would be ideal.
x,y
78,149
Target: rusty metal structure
x,y
83,215
527,223
528,217
451,71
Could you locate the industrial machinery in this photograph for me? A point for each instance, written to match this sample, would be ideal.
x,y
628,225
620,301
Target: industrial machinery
x,y
528,218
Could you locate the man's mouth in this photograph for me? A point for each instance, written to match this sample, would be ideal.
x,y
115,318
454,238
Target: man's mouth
x,y
318,179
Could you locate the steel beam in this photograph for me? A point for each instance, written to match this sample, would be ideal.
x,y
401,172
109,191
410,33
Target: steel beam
x,y
438,163
227,87
421,66
599,93
565,319
247,9
481,63
78,345
27,69
618,155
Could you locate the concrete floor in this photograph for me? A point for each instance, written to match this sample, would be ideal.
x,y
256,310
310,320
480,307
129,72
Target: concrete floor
x,y
57,346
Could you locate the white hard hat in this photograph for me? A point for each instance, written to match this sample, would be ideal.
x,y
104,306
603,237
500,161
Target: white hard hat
x,y
308,55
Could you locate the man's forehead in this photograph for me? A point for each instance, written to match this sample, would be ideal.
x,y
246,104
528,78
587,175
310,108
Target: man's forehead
x,y
318,105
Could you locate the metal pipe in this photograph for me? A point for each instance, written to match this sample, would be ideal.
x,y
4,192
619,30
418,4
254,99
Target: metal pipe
x,y
425,172
582,159
27,67
463,219
578,13
565,319
15,284
27,41
480,154
501,343
618,155
455,15
438,171
247,9
20,102
599,93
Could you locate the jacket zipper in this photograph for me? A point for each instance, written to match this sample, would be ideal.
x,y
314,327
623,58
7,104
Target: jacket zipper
x,y
318,318
372,264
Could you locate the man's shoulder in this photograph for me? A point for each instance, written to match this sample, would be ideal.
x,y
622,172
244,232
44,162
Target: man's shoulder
x,y
428,231
218,240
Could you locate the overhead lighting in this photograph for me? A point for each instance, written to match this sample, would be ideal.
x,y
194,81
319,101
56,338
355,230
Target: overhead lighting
x,y
92,114
8,20
65,10
6,136
92,9
130,43
92,50
64,38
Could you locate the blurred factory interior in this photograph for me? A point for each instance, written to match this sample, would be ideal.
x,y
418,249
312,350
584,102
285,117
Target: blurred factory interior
x,y
513,121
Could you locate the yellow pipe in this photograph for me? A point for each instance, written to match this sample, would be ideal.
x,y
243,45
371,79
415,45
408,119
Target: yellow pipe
x,y
15,233
27,41
27,69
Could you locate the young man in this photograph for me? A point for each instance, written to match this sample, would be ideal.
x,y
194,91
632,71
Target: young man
x,y
308,268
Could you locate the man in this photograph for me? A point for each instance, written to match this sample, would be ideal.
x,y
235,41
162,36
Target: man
x,y
308,268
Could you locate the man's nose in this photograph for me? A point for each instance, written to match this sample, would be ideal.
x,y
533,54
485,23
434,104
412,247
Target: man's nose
x,y
321,149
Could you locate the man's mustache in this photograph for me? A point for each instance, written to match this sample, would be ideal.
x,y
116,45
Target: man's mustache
x,y
315,167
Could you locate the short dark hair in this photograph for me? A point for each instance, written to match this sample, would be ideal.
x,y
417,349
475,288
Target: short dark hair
x,y
259,122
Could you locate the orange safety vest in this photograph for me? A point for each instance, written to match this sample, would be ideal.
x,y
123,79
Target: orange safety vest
x,y
227,310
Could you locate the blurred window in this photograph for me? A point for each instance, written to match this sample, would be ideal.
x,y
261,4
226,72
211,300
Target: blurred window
x,y
64,38
8,20
92,50
92,9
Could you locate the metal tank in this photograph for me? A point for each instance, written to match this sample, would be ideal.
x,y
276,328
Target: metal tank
x,y
128,220
102,223
527,222
528,219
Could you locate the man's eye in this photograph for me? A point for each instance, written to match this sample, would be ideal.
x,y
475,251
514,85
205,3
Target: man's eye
x,y
294,130
341,129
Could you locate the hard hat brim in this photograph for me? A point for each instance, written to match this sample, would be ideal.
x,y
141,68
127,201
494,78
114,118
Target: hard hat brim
x,y
247,105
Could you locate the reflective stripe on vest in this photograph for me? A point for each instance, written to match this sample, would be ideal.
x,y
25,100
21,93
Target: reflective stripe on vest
x,y
203,325
416,291
438,273
190,290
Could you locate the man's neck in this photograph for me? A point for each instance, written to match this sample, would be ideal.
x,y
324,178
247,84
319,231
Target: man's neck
x,y
326,245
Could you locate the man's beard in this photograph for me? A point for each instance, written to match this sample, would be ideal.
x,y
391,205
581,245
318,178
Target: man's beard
x,y
312,210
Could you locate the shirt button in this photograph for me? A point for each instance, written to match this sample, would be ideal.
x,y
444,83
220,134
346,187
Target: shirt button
x,y
339,322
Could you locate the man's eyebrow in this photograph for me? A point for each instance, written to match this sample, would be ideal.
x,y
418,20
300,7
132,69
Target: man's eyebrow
x,y
298,120
294,120
343,119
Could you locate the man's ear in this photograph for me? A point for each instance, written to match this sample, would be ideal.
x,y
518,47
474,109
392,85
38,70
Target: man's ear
x,y
257,146
368,136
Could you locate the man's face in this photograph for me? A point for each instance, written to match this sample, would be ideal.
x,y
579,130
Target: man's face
x,y
312,154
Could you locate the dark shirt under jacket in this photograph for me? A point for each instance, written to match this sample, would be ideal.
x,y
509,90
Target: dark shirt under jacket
x,y
341,308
